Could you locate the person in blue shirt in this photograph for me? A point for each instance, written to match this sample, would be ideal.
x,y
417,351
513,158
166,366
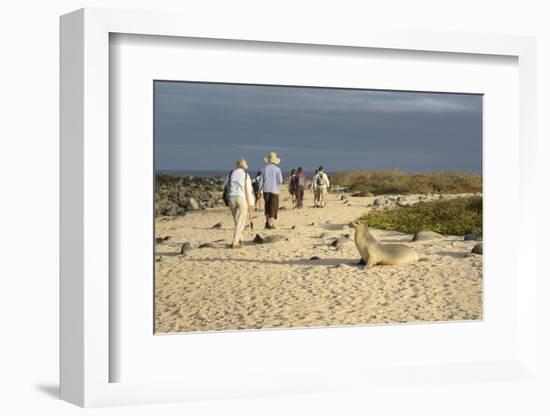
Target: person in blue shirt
x,y
270,187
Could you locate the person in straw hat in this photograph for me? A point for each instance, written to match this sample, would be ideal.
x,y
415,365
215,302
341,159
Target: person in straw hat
x,y
241,199
270,187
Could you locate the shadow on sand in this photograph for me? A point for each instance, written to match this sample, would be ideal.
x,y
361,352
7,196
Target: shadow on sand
x,y
454,254
296,262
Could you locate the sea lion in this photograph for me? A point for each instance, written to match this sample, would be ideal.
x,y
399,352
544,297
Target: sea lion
x,y
375,253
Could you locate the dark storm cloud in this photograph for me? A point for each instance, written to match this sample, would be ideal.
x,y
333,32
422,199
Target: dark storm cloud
x,y
208,126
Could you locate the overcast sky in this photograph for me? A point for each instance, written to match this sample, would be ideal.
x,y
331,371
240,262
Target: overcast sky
x,y
202,126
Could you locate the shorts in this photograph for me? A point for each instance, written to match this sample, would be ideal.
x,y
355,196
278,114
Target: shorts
x,y
271,204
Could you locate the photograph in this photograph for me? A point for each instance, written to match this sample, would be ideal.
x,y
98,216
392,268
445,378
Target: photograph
x,y
281,207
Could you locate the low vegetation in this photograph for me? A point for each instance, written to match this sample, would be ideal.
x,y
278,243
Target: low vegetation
x,y
381,182
456,216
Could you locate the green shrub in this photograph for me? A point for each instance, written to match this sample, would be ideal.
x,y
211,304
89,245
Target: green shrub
x,y
396,182
457,216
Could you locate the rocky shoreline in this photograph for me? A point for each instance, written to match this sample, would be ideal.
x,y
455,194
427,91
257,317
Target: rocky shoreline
x,y
176,195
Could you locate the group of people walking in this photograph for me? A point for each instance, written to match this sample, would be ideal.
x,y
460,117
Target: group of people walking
x,y
243,194
319,186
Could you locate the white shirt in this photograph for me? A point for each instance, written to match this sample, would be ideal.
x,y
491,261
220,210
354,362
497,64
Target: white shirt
x,y
326,182
314,182
236,187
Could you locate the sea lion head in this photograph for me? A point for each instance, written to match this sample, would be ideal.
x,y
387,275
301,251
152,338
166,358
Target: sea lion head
x,y
355,224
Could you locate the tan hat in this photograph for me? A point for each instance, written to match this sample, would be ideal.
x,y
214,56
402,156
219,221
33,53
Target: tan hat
x,y
272,158
241,163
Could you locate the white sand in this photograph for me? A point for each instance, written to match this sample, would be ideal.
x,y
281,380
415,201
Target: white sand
x,y
276,285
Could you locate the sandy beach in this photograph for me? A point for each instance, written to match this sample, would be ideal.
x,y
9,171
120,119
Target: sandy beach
x,y
278,285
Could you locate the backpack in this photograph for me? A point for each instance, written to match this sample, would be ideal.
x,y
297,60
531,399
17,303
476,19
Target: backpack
x,y
226,190
301,181
320,179
292,185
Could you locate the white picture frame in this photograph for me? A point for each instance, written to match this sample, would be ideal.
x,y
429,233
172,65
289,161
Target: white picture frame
x,y
137,61
85,216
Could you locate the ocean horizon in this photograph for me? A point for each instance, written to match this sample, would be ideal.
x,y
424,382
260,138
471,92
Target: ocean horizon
x,y
212,173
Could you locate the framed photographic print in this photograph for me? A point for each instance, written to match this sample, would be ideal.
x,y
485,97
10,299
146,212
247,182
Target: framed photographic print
x,y
264,213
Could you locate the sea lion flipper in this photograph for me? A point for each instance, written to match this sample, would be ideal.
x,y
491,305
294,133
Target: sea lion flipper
x,y
370,262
